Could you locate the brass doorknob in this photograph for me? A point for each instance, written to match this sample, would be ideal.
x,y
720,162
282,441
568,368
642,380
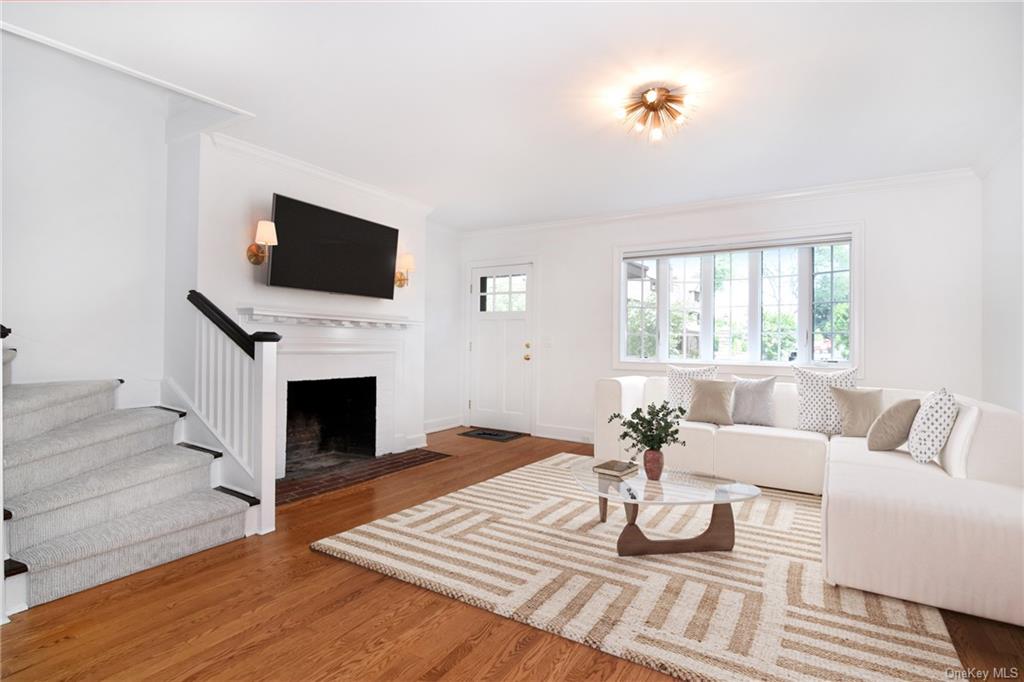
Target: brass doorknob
x,y
526,357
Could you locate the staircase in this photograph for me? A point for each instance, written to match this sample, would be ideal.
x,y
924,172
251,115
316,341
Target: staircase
x,y
93,493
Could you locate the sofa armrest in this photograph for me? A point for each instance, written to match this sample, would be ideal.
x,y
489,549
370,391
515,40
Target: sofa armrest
x,y
616,394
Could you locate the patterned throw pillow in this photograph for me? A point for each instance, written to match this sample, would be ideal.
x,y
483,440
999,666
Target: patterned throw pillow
x,y
680,383
818,409
932,425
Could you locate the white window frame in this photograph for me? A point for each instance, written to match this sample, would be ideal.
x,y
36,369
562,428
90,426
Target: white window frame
x,y
833,232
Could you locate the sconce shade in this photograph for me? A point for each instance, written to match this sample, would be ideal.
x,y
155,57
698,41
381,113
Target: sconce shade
x,y
406,263
266,233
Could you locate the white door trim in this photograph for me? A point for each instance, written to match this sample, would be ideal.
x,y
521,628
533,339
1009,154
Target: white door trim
x,y
467,326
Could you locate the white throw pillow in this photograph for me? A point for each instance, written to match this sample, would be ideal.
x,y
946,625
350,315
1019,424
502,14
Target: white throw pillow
x,y
680,383
932,425
818,409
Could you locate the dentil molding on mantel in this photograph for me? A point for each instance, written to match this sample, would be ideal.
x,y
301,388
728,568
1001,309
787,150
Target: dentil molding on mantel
x,y
314,319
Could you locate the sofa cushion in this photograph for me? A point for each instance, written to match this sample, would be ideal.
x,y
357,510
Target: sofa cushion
x,y
680,383
818,409
858,409
698,453
846,450
892,428
772,457
753,401
932,425
712,402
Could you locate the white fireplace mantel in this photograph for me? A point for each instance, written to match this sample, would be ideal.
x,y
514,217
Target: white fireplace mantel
x,y
311,319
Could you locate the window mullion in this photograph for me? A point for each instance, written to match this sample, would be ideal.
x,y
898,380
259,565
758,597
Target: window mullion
x,y
707,307
805,309
754,307
664,306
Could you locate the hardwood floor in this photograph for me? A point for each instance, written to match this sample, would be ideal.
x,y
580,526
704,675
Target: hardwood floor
x,y
269,608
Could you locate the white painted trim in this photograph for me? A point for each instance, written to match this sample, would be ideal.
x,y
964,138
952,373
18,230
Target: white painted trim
x,y
15,591
442,424
570,433
878,184
120,68
233,144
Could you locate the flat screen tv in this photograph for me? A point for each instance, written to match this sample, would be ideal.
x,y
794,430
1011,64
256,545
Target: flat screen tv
x,y
325,250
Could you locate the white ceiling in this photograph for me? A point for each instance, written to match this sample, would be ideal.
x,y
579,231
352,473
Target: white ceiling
x,y
497,114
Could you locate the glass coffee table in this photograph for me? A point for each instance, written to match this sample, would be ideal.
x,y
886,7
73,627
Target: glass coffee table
x,y
674,488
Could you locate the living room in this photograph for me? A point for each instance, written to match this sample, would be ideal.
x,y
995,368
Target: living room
x,y
397,277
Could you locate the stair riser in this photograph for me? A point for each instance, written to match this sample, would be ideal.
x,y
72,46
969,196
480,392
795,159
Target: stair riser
x,y
74,577
20,479
22,533
19,427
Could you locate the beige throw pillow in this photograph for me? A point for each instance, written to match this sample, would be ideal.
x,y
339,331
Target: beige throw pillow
x,y
858,409
892,428
712,402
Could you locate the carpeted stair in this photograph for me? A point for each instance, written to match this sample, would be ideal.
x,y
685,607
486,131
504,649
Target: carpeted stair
x,y
96,493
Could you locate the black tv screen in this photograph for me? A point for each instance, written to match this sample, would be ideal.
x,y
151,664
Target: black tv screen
x,y
325,250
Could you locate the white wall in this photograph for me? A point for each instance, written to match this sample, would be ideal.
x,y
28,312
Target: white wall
x,y
84,165
237,182
1003,305
444,334
922,289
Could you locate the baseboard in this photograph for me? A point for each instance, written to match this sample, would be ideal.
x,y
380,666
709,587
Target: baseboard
x,y
435,425
569,433
410,442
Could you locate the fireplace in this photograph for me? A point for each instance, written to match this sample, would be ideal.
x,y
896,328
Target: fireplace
x,y
330,421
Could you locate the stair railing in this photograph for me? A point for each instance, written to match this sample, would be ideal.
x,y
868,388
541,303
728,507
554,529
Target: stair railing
x,y
235,396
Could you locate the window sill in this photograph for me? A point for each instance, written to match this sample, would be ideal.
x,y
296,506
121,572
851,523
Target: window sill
x,y
779,369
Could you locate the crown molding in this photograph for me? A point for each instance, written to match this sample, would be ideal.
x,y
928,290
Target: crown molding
x,y
878,184
233,144
121,68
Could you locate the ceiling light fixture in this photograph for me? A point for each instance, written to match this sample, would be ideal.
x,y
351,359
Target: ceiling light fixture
x,y
655,110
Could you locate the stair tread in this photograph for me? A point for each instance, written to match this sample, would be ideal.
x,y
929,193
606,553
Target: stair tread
x,y
100,428
141,468
22,399
192,509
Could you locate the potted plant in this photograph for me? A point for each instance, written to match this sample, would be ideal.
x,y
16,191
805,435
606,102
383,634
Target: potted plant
x,y
649,432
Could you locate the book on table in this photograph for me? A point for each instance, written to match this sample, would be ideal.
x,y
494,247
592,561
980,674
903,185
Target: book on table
x,y
616,468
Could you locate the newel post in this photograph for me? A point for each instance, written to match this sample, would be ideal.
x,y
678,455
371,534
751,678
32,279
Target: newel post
x,y
265,423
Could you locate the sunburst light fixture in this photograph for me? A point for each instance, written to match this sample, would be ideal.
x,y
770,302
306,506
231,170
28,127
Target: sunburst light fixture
x,y
656,109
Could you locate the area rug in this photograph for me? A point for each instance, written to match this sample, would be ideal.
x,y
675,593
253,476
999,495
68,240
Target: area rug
x,y
349,472
528,545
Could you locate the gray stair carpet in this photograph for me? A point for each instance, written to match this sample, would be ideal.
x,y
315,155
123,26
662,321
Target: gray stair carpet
x,y
104,494
96,493
31,409
88,444
143,539
9,355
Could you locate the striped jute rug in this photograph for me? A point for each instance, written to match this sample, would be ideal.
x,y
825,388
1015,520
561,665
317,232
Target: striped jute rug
x,y
528,545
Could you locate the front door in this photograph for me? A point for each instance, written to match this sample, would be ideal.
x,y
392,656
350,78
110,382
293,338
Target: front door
x,y
501,355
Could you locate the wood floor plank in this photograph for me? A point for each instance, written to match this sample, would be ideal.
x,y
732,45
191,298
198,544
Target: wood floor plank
x,y
270,608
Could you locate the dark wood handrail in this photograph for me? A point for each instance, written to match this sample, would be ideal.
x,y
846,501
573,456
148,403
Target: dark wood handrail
x,y
4,331
243,339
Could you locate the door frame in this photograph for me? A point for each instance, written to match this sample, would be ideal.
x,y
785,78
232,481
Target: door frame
x,y
532,287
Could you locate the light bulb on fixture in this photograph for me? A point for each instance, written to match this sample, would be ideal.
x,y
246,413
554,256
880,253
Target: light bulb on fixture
x,y
680,119
651,96
638,127
656,134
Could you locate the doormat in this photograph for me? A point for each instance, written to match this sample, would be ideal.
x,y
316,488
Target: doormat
x,y
493,434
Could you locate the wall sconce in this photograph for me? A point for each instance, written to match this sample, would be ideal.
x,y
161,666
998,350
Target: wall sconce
x,y
266,236
406,264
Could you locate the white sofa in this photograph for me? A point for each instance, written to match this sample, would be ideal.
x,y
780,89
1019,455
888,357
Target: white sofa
x,y
949,533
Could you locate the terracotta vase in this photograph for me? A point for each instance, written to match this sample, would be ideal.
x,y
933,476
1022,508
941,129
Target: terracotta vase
x,y
654,462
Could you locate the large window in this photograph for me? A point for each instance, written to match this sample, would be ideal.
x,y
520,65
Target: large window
x,y
770,304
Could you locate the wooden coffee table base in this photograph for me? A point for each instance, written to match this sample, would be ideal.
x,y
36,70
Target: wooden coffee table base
x,y
720,535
